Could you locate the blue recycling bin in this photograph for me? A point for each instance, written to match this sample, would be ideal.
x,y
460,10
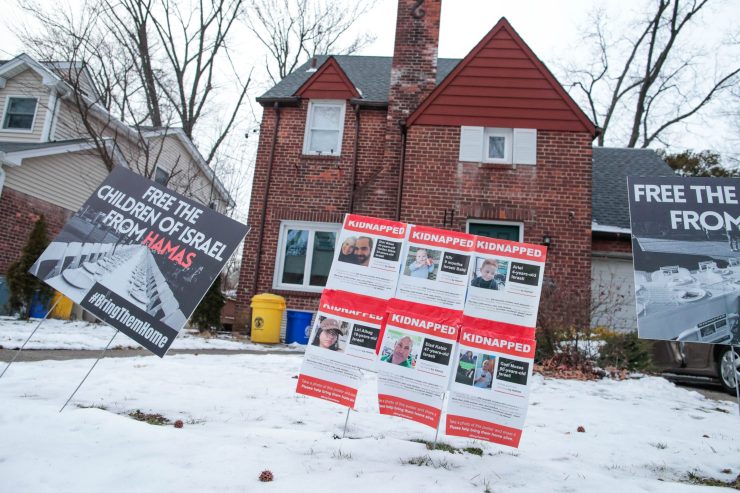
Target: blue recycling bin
x,y
38,307
298,327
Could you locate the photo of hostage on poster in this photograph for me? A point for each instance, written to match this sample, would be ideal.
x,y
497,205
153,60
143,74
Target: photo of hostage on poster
x,y
414,360
505,281
686,253
369,256
489,394
436,267
343,341
140,257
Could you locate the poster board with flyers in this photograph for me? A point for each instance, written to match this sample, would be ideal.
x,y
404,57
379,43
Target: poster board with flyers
x,y
442,280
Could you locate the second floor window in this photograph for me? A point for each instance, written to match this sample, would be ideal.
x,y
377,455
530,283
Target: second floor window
x,y
20,113
161,176
324,126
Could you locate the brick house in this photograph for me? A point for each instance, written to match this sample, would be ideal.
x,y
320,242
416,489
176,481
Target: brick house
x,y
49,164
490,144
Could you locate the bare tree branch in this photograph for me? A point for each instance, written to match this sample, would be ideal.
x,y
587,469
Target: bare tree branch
x,y
293,30
646,79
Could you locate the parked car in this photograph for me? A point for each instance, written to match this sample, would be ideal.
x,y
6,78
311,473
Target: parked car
x,y
698,363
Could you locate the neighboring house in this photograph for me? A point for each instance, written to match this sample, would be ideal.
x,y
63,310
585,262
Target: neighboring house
x,y
49,164
612,289
490,144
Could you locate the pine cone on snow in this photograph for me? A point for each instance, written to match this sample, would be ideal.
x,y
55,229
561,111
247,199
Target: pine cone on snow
x,y
266,476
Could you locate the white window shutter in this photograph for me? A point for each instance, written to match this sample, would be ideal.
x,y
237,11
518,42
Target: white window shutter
x,y
471,144
525,146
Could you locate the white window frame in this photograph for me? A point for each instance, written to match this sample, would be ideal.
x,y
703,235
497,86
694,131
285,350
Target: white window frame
x,y
520,145
508,135
312,228
5,114
309,119
497,223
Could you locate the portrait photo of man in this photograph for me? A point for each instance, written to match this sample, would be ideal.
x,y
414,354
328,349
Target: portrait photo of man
x,y
401,354
363,250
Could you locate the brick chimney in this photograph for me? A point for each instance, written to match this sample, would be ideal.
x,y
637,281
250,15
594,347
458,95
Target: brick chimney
x,y
414,68
413,77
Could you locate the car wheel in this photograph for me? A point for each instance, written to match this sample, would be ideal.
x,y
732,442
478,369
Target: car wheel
x,y
729,370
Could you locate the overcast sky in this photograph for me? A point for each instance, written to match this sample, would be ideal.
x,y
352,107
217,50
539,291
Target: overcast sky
x,y
553,29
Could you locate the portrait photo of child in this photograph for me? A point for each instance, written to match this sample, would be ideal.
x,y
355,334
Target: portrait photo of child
x,y
489,273
422,263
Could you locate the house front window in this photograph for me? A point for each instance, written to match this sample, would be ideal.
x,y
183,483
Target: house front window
x,y
20,113
304,256
498,145
324,126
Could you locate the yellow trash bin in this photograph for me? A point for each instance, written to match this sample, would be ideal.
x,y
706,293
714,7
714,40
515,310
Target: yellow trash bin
x,y
267,312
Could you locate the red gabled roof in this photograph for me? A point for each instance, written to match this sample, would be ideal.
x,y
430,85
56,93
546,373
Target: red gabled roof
x,y
502,83
328,82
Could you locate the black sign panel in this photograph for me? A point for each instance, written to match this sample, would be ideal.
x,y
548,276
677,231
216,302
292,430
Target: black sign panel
x,y
686,252
364,336
524,273
140,257
436,352
514,371
455,263
387,250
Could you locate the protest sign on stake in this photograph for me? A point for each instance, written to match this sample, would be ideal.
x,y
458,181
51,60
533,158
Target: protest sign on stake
x,y
686,251
140,257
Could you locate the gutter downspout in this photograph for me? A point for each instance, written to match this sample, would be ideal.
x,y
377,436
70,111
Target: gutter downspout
x,y
265,196
355,158
401,170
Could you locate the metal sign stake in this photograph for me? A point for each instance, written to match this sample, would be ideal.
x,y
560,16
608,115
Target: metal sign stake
x,y
737,380
17,353
100,356
436,432
344,431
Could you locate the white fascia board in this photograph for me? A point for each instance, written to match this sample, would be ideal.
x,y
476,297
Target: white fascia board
x,y
23,62
602,228
16,158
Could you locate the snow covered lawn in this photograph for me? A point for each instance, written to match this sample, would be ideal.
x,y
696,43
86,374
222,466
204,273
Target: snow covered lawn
x,y
242,416
61,334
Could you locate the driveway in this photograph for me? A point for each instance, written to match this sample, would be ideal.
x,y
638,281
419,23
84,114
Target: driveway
x,y
709,391
65,354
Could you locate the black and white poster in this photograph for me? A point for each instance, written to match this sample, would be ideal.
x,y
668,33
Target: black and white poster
x,y
140,257
686,250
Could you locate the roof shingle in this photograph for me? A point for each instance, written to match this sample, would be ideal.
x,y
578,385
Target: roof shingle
x,y
371,75
611,167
